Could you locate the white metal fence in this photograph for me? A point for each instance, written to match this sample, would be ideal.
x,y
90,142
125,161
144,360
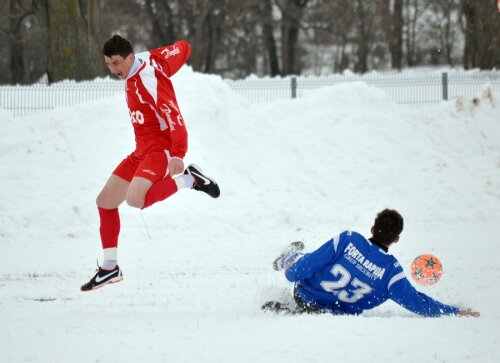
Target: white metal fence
x,y
417,89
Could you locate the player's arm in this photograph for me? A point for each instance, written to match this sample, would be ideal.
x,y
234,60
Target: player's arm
x,y
178,149
172,57
404,294
175,166
307,265
468,313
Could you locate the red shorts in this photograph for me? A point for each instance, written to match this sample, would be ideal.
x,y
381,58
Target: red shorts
x,y
152,166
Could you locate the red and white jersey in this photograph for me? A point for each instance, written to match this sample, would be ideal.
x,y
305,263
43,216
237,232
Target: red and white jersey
x,y
153,108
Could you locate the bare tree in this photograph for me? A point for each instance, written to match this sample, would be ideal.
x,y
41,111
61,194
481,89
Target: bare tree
x,y
447,9
338,18
268,25
18,13
247,44
482,34
413,11
5,65
392,22
291,16
364,25
72,48
235,38
161,17
201,29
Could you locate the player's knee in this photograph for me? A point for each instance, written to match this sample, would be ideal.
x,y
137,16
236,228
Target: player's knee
x,y
106,201
135,201
102,201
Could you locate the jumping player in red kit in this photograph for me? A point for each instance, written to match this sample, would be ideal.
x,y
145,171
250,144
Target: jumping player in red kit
x,y
155,170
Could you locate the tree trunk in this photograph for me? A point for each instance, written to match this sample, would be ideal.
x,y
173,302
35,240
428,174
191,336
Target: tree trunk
x,y
397,44
412,10
469,48
199,34
17,67
161,17
342,62
393,27
363,39
72,49
447,41
269,40
285,44
170,32
157,35
291,18
211,44
291,34
5,69
482,34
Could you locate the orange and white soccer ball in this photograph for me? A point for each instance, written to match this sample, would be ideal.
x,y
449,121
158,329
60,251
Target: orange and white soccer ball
x,y
426,269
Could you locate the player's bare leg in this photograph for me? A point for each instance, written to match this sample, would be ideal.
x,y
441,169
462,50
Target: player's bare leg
x,y
137,190
112,195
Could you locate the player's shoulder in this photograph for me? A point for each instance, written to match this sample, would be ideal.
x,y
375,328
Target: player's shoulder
x,y
392,265
349,238
353,236
142,55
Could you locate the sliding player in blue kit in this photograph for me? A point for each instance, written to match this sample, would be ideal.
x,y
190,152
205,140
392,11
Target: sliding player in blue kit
x,y
350,274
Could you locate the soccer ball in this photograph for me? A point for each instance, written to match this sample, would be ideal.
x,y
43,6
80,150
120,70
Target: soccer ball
x,y
426,269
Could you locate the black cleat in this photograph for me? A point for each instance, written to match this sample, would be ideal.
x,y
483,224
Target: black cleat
x,y
292,248
276,307
103,277
282,308
202,182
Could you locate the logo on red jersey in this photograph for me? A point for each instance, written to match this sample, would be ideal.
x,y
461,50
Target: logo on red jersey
x,y
136,117
167,112
169,53
149,171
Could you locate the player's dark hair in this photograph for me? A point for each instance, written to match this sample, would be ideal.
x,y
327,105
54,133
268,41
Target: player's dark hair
x,y
388,226
116,45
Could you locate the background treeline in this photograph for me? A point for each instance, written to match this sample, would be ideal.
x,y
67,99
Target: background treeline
x,y
61,39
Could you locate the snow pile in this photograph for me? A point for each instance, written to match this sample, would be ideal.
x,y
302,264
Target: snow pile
x,y
197,270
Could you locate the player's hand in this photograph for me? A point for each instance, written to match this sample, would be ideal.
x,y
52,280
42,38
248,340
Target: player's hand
x,y
175,166
468,312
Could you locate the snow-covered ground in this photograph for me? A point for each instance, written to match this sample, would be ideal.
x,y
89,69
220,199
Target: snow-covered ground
x,y
197,270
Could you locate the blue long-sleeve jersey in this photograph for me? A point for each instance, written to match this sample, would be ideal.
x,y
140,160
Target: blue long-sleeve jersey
x,y
350,274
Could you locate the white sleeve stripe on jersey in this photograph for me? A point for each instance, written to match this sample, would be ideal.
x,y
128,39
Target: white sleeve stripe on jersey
x,y
395,278
150,83
158,67
169,157
336,241
163,124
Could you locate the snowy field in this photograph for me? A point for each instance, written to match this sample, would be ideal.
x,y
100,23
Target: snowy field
x,y
197,270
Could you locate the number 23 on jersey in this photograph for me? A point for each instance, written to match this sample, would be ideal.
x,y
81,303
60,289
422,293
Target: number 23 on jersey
x,y
356,290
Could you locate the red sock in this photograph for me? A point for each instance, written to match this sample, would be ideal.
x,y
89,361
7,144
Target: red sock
x,y
110,227
159,191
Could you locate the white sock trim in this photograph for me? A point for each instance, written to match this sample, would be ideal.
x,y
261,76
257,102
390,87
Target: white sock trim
x,y
108,265
184,181
111,254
